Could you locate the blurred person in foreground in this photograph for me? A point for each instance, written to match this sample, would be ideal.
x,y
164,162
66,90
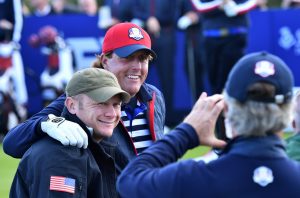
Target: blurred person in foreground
x,y
126,52
257,107
293,142
49,169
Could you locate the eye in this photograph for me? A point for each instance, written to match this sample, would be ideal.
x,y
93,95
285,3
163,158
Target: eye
x,y
117,105
101,104
143,57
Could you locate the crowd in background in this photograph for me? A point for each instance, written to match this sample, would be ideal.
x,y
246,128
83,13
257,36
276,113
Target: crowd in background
x,y
71,6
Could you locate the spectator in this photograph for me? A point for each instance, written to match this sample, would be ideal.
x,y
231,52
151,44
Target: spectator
x,y
225,28
88,7
62,7
41,8
113,12
126,52
293,142
60,62
25,9
290,4
190,23
158,18
50,169
13,91
258,107
262,4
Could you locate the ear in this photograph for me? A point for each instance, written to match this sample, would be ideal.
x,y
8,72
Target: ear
x,y
103,60
70,103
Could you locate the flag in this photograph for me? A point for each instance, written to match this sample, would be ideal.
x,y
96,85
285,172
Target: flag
x,y
63,184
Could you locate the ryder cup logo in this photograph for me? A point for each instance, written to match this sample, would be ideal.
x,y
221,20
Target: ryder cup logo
x,y
264,68
135,33
263,176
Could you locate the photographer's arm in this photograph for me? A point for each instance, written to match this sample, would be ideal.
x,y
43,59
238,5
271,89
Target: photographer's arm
x,y
155,173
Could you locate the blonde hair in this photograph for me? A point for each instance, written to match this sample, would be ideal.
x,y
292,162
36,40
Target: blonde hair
x,y
97,63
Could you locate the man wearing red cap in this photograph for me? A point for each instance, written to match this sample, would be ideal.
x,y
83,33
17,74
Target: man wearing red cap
x,y
126,52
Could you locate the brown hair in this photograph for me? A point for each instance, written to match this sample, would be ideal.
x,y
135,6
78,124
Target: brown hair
x,y
97,63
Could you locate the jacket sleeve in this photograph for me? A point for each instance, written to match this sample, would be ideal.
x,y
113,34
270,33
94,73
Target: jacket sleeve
x,y
241,8
206,6
18,20
151,174
21,137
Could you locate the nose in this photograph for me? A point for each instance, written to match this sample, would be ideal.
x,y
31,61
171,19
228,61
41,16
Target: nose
x,y
137,63
110,111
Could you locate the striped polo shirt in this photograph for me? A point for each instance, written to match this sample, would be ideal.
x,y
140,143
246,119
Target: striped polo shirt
x,y
136,124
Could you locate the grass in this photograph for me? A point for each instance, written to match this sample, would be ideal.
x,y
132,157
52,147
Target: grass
x,y
196,152
7,172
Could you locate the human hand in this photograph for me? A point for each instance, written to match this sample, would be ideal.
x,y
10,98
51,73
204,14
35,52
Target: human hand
x,y
6,25
183,22
229,7
203,119
188,19
68,133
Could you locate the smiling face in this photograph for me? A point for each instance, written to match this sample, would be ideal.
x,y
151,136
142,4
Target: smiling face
x,y
102,117
131,71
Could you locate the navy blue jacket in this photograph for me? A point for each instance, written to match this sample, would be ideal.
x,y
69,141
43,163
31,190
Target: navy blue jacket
x,y
163,10
20,138
250,167
121,9
92,169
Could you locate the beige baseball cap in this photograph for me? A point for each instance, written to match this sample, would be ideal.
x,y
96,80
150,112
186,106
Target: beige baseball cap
x,y
99,84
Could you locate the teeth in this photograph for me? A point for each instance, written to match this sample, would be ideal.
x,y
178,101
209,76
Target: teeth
x,y
133,77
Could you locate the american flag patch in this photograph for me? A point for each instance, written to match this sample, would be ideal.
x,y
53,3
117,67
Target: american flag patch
x,y
63,184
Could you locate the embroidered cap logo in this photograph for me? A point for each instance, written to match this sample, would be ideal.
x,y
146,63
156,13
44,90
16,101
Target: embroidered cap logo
x,y
135,33
264,68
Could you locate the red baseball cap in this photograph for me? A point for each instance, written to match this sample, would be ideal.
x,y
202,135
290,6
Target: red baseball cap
x,y
126,38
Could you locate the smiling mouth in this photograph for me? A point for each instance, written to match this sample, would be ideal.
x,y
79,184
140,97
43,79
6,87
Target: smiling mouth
x,y
112,122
